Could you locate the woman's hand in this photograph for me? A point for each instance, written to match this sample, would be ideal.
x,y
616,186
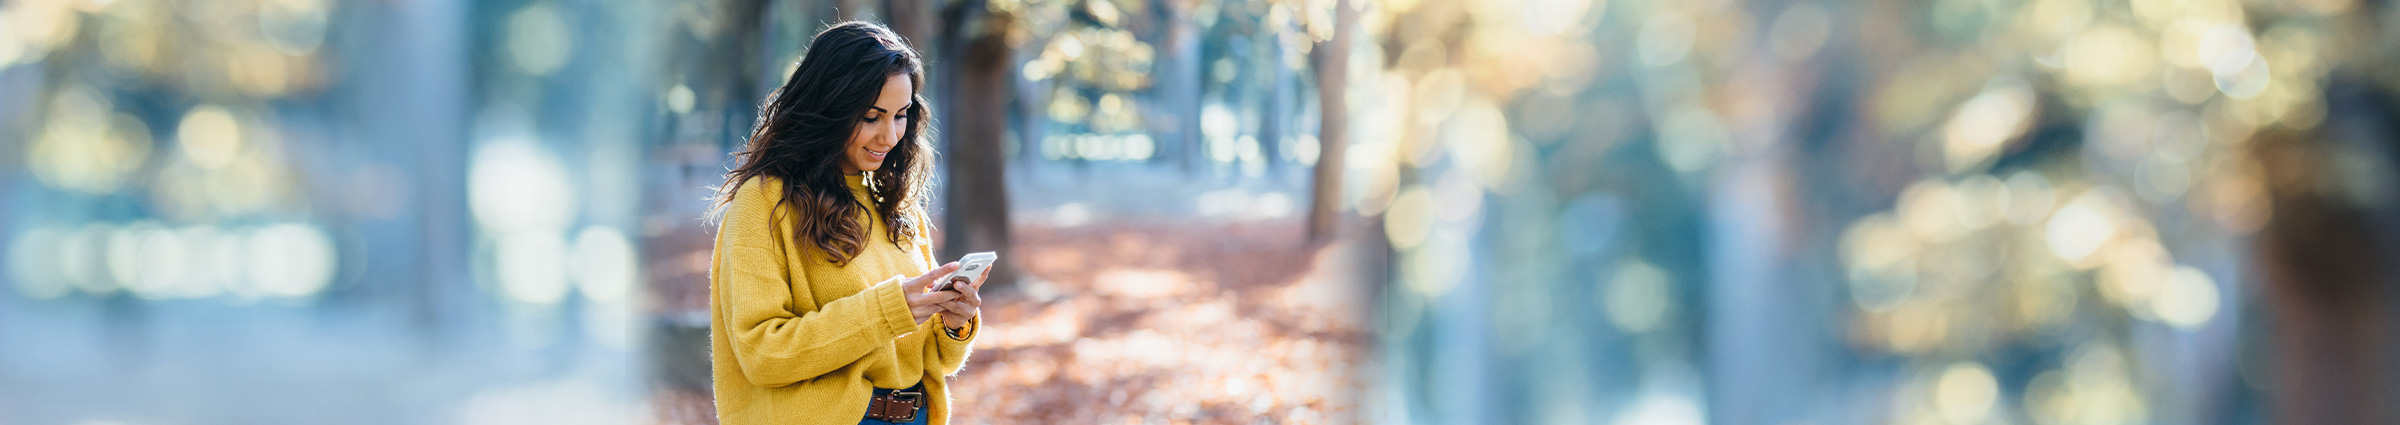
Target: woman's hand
x,y
956,313
922,304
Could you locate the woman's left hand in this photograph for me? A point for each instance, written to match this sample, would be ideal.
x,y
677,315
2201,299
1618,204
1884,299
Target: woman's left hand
x,y
958,312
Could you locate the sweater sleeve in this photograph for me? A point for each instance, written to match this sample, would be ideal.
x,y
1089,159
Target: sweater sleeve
x,y
779,339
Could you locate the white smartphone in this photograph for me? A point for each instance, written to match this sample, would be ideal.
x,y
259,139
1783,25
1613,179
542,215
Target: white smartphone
x,y
970,270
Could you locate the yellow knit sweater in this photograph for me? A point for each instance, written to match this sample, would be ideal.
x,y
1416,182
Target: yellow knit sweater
x,y
798,340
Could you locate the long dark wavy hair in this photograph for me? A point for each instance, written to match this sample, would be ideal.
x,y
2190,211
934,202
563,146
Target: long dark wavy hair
x,y
804,126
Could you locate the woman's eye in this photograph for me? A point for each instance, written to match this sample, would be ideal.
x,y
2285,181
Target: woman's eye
x,y
871,119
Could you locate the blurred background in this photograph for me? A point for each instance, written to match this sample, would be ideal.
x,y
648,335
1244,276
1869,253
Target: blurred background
x,y
1974,212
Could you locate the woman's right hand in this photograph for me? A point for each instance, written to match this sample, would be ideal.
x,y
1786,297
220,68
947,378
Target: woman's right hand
x,y
923,304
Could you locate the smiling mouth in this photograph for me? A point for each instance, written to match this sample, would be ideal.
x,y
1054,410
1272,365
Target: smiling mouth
x,y
876,153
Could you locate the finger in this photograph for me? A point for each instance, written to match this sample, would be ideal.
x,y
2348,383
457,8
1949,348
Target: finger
x,y
932,298
960,317
973,294
934,276
979,284
956,306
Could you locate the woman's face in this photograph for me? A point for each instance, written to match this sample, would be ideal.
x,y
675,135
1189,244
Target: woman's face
x,y
880,129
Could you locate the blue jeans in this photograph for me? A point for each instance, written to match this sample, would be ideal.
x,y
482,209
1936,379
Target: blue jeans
x,y
921,413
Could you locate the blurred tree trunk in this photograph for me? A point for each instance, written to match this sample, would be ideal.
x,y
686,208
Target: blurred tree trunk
x,y
913,19
1276,124
974,118
1181,63
723,69
2325,256
1333,129
746,29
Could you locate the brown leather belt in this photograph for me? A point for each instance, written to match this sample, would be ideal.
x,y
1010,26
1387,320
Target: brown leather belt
x,y
896,405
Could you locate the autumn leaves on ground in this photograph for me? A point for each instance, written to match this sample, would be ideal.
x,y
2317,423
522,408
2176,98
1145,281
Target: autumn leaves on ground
x,y
1132,321
1170,323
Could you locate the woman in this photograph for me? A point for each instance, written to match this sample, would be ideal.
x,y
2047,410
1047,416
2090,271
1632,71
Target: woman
x,y
821,282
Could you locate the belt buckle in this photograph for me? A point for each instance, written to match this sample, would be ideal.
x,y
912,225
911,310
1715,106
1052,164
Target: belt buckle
x,y
915,400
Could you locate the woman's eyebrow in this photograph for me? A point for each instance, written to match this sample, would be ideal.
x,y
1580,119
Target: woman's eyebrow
x,y
886,111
